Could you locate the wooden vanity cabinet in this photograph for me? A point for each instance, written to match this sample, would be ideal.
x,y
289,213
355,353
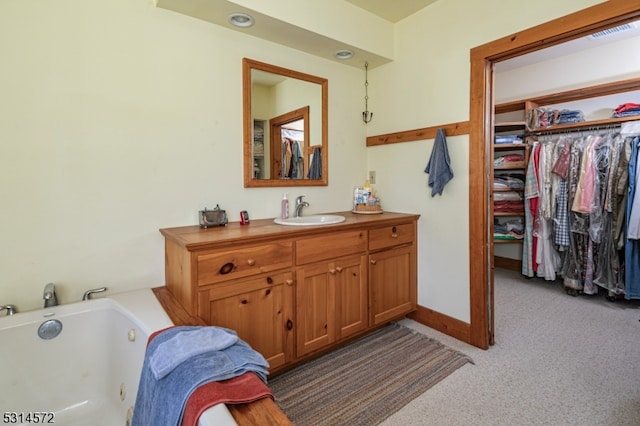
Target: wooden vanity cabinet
x,y
294,292
259,309
244,287
392,272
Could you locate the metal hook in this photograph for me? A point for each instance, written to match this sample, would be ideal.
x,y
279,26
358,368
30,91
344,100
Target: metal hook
x,y
367,116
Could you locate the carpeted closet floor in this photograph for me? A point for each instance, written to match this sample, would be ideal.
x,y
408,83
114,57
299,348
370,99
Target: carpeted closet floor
x,y
558,360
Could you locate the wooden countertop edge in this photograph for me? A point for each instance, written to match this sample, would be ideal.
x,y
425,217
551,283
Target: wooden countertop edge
x,y
193,237
261,412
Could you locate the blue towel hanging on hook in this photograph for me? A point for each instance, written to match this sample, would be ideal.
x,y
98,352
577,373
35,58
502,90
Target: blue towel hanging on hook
x,y
439,165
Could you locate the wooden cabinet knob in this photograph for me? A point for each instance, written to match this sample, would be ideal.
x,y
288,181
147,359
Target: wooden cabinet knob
x,y
251,262
373,261
394,235
339,268
288,282
332,271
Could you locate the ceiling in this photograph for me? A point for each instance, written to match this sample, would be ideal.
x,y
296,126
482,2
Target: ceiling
x,y
325,45
614,34
317,39
392,11
395,11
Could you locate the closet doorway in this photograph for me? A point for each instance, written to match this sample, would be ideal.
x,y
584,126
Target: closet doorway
x,y
596,18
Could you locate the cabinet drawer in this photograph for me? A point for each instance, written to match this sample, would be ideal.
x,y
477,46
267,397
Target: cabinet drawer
x,y
215,267
333,245
392,235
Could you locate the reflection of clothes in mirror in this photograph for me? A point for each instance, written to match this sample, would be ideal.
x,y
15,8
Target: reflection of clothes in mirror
x,y
291,153
315,170
292,160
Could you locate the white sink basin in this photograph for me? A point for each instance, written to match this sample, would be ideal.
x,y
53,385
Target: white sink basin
x,y
314,220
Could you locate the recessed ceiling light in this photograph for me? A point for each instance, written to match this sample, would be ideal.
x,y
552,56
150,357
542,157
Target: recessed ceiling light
x,y
241,20
344,54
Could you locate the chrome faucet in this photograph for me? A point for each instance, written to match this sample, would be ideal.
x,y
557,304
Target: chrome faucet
x,y
88,293
300,205
9,308
49,295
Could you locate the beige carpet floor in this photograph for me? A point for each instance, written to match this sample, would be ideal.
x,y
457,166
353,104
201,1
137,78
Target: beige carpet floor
x,y
558,360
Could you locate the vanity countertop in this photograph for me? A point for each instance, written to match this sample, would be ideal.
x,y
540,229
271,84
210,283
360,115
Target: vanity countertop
x,y
195,237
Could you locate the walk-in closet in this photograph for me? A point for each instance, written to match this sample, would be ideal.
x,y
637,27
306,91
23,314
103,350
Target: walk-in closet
x,y
565,173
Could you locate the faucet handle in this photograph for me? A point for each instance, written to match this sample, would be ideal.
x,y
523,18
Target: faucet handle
x,y
49,295
299,199
88,293
11,309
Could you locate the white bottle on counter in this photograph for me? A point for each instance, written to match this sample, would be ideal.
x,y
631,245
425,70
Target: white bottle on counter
x,y
284,213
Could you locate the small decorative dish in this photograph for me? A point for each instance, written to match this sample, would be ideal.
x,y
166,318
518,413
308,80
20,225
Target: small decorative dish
x,y
367,212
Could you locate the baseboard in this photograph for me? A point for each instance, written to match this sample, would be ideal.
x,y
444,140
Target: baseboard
x,y
442,323
507,263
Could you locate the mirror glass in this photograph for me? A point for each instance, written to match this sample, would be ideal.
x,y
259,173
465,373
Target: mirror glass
x,y
285,127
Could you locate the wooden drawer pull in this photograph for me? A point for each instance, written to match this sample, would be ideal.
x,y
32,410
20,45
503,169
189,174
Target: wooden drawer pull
x,y
332,271
269,280
373,261
288,282
226,268
394,235
339,268
251,262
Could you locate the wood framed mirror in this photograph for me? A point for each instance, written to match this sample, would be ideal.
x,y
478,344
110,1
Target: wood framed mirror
x,y
284,126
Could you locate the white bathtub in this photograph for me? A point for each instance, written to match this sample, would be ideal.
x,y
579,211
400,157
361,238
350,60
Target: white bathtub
x,y
88,374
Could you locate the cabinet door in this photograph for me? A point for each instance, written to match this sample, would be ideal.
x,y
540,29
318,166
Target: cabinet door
x,y
315,308
352,299
392,281
331,302
259,310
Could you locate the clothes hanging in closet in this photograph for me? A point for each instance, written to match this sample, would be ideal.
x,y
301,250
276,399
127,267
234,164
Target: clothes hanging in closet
x,y
632,243
575,204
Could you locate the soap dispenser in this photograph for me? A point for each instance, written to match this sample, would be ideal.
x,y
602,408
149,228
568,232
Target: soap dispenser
x,y
284,213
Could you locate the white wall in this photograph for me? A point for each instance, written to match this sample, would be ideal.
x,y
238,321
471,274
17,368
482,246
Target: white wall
x,y
428,85
117,119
